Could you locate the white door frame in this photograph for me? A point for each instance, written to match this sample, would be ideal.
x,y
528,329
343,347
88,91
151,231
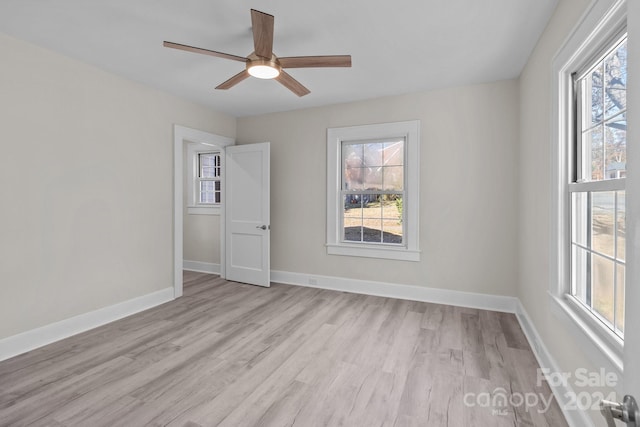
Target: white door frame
x,y
182,134
631,381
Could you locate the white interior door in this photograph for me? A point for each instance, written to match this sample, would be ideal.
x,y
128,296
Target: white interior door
x,y
247,236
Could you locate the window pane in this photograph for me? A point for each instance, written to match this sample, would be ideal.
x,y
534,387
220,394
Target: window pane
x,y
352,217
373,166
579,218
593,90
353,205
602,222
372,230
393,178
594,143
602,278
207,191
207,159
353,152
616,147
392,219
394,153
352,229
392,231
579,269
620,272
352,157
603,117
392,206
354,179
206,197
373,154
208,172
621,226
373,178
209,165
373,218
615,68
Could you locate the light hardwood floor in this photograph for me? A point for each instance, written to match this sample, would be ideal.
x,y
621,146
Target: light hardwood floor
x,y
230,354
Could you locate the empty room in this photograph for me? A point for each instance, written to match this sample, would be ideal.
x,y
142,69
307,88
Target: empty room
x,y
284,213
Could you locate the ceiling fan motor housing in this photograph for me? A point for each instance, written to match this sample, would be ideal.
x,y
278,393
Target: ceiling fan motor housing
x,y
263,68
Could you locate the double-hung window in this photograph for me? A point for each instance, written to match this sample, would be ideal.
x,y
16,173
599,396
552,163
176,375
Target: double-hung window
x,y
597,186
372,191
589,154
204,179
208,178
372,199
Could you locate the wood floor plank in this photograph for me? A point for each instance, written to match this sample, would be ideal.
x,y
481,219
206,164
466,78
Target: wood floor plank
x,y
231,354
251,408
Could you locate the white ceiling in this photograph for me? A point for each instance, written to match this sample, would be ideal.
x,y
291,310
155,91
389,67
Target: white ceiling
x,y
397,46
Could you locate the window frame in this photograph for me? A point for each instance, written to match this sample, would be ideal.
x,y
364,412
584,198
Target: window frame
x,y
580,181
410,132
601,25
200,179
194,207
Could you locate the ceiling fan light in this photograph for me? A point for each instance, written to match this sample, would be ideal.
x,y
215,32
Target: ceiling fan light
x,y
264,71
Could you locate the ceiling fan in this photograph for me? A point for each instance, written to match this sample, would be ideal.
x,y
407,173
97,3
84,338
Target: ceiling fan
x,y
263,63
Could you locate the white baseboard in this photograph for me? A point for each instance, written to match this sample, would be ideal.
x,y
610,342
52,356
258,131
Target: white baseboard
x,y
30,340
408,292
201,267
562,392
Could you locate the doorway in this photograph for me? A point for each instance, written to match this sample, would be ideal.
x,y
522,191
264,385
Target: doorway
x,y
183,135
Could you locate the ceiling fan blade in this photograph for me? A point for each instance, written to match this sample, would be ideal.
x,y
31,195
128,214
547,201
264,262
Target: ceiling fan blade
x,y
315,61
262,24
292,84
233,80
203,51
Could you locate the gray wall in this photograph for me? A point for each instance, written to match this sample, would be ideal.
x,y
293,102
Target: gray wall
x,y
468,188
86,178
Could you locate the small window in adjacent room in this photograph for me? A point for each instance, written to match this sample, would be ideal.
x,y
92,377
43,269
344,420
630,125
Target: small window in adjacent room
x,y
204,180
372,199
208,178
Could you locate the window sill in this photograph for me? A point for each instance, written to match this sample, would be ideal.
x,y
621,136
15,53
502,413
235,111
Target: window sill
x,y
597,342
395,253
203,210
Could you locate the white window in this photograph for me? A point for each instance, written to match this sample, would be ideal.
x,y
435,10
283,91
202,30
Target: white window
x,y
208,178
597,186
204,181
587,256
372,199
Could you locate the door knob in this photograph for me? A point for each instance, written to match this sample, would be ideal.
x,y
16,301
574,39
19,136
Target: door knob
x,y
627,412
261,227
